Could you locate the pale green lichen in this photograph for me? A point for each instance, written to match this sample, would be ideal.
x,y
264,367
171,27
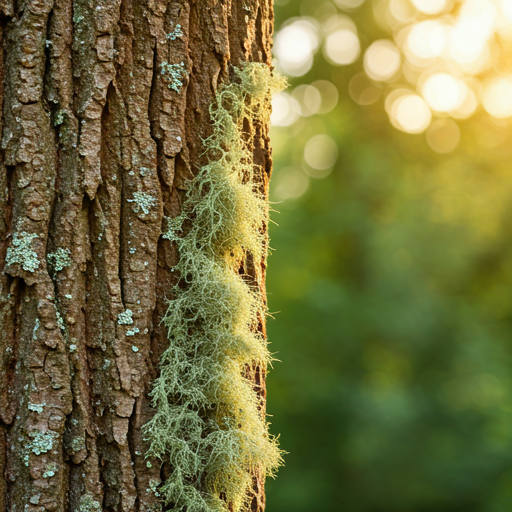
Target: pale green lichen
x,y
135,348
125,318
36,407
60,321
20,251
132,332
59,259
142,202
42,442
36,328
207,421
50,470
87,503
174,34
173,74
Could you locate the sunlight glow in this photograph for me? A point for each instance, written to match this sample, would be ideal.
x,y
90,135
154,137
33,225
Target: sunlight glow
x,y
498,97
444,92
507,9
382,60
474,27
427,39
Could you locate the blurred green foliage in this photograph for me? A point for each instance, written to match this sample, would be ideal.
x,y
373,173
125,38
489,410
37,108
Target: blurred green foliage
x,y
391,283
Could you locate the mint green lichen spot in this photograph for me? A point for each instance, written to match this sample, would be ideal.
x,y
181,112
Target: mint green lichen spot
x,y
36,407
59,117
142,202
60,321
59,259
172,74
42,441
177,32
125,318
50,470
21,252
87,503
36,328
133,332
134,348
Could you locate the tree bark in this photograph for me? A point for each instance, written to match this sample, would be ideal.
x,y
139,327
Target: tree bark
x,y
96,149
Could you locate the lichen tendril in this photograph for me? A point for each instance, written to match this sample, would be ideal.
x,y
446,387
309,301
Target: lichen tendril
x,y
207,424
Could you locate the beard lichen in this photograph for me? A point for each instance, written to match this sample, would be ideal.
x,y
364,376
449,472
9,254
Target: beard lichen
x,y
208,423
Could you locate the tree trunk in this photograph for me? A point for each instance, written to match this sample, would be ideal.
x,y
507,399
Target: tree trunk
x,y
96,149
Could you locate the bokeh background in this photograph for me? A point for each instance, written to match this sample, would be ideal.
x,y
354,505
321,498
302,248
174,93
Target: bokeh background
x,y
391,275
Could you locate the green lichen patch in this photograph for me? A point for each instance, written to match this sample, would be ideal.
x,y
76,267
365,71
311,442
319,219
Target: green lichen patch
x,y
36,407
42,442
175,34
142,202
59,259
173,75
87,503
21,252
50,470
207,421
125,318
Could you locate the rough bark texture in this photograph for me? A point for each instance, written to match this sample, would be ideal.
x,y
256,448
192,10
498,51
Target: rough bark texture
x,y
90,129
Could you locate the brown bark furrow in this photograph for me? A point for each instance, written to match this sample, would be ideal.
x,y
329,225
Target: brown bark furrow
x,y
99,138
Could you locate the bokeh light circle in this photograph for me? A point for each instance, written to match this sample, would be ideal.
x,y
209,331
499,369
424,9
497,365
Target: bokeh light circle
x,y
429,6
408,112
443,135
444,92
342,47
295,45
382,60
321,152
285,110
289,183
426,39
349,5
497,98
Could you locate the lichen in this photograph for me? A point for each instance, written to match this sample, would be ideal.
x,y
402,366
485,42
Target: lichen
x,y
87,503
20,251
132,332
60,321
59,259
42,441
142,202
125,318
174,34
207,421
50,470
36,407
173,74
37,324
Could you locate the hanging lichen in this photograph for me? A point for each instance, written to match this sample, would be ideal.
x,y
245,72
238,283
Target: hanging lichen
x,y
207,421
